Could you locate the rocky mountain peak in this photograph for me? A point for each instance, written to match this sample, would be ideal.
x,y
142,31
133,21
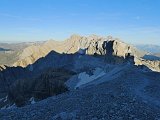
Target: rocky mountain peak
x,y
93,45
75,37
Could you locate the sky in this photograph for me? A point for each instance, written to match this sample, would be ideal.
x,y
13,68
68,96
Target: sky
x,y
133,21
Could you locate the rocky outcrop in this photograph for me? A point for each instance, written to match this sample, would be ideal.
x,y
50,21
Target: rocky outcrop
x,y
153,65
9,52
2,67
92,45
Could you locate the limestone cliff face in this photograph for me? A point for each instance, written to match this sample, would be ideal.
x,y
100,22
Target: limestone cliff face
x,y
90,45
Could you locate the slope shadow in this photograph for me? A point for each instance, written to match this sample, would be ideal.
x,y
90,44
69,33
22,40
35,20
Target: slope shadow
x,y
57,60
54,60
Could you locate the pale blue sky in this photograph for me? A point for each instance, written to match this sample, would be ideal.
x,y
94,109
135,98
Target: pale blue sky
x,y
133,21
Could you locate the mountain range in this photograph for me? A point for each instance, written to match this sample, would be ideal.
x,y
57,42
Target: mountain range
x,y
82,77
149,48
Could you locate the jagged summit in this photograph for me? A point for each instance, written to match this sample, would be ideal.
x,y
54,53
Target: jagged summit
x,y
93,45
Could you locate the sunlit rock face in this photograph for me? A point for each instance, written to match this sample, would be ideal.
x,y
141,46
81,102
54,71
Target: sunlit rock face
x,y
91,45
153,65
2,67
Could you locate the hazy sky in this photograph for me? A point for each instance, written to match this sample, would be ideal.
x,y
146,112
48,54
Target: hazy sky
x,y
133,21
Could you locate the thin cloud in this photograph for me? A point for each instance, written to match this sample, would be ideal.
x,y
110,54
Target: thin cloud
x,y
19,17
